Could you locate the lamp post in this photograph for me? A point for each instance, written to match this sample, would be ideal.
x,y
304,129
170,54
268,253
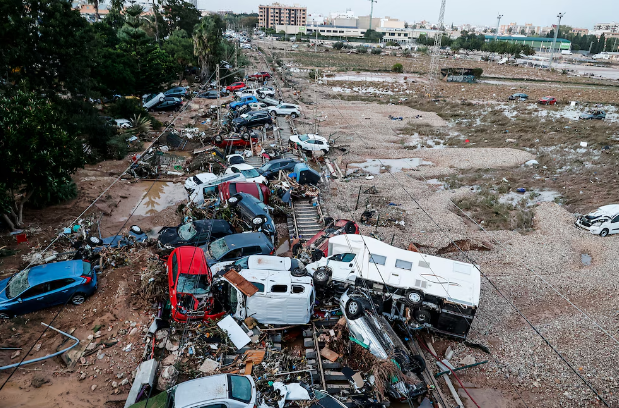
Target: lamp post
x,y
498,22
552,48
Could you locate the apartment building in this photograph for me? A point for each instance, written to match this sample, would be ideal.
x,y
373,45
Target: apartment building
x,y
279,14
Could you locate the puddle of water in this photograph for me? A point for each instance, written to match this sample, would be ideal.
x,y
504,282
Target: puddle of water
x,y
539,196
374,166
161,196
586,259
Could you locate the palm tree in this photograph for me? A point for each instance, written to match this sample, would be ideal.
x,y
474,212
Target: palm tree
x,y
140,125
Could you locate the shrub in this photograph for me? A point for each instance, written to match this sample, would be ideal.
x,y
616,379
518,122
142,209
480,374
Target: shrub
x,y
391,44
338,45
397,68
478,72
315,73
52,195
362,50
377,51
423,50
125,108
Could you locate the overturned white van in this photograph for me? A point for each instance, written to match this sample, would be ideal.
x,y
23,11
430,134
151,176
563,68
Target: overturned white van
x,y
420,290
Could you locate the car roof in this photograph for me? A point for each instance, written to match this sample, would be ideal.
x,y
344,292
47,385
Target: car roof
x,y
194,392
610,210
242,166
244,239
52,271
191,260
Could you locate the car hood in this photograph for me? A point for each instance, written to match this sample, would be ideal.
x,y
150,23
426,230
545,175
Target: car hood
x,y
168,235
3,285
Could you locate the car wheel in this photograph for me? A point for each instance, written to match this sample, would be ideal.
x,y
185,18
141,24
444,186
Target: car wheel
x,y
94,241
260,95
245,136
413,298
218,139
353,309
317,255
324,151
136,230
422,316
296,249
257,221
322,276
234,200
604,232
328,221
298,272
293,115
4,316
350,228
273,114
78,299
417,364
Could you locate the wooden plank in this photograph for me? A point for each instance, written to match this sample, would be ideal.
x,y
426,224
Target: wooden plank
x,y
239,282
255,356
329,354
248,367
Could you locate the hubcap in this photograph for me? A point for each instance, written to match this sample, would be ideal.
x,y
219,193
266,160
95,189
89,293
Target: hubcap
x,y
414,297
321,275
353,308
78,300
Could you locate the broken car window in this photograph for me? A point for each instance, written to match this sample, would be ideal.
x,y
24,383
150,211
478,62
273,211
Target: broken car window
x,y
187,231
259,286
17,284
194,284
279,288
218,248
298,289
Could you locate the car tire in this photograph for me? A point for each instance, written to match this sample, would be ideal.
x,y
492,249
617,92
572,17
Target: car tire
x,y
350,228
94,241
245,136
78,299
322,276
422,316
136,230
417,364
353,309
298,272
317,255
324,151
273,113
296,249
234,200
413,298
161,99
328,221
293,115
260,95
604,232
218,139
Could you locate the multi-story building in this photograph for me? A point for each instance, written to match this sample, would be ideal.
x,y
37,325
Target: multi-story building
x,y
609,27
279,14
581,31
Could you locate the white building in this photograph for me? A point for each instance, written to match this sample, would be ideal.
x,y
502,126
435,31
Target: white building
x,y
339,14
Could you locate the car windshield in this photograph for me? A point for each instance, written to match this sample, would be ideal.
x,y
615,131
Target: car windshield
x,y
240,388
242,262
218,248
303,138
194,284
236,160
187,231
250,173
267,166
18,284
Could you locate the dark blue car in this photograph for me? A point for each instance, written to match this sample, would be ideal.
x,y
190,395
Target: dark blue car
x,y
236,246
47,285
177,92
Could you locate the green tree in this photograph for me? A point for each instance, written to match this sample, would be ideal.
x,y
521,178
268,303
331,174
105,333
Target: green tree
x,y
179,15
180,47
338,45
372,35
208,43
36,153
397,68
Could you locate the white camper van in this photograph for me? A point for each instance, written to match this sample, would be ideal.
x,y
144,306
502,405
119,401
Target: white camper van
x,y
439,293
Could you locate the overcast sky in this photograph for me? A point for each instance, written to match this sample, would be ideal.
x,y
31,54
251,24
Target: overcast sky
x,y
579,13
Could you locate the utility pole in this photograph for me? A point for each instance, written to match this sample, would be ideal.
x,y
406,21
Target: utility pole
x,y
498,24
371,11
316,43
552,48
218,104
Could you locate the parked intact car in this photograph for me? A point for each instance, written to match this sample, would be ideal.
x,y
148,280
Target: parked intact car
x,y
310,142
597,114
518,97
231,188
45,286
192,182
233,247
236,86
259,76
248,171
251,120
271,169
547,100
285,109
215,391
177,92
195,233
189,283
603,221
253,213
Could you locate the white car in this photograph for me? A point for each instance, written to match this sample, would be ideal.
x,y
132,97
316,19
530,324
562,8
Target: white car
x,y
223,390
192,182
246,46
248,171
310,142
150,101
285,109
265,91
245,92
603,221
235,159
258,106
270,262
122,123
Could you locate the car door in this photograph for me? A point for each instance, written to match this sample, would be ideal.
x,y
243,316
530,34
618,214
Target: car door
x,y
342,265
614,225
60,291
34,298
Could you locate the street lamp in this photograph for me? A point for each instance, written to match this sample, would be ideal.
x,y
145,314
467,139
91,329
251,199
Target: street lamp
x,y
498,22
552,48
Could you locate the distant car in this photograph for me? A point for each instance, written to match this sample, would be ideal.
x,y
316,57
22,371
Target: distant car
x,y
248,171
265,91
195,233
192,182
231,188
271,169
518,97
256,106
148,101
45,286
177,92
122,123
235,140
236,86
236,246
603,221
215,391
259,76
547,100
244,100
250,120
310,142
246,46
598,114
169,103
235,159
208,95
285,109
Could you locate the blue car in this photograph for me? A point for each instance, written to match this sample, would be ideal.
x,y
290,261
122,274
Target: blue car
x,y
177,92
45,286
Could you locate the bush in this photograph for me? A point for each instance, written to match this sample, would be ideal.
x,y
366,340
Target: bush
x,y
423,50
52,195
478,72
397,68
362,50
125,108
377,51
391,44
315,74
155,123
338,45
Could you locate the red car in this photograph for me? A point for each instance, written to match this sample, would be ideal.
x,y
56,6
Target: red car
x,y
319,243
547,100
235,140
230,188
236,86
189,281
259,76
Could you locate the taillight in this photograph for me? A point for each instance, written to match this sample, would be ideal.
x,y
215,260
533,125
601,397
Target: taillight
x,y
87,278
